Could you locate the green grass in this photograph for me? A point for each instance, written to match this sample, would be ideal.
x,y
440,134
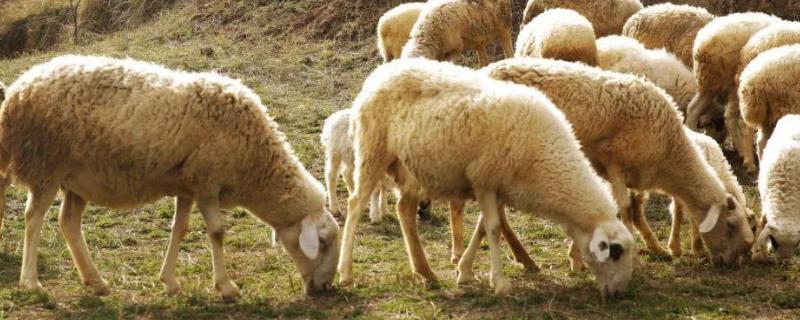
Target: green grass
x,y
302,79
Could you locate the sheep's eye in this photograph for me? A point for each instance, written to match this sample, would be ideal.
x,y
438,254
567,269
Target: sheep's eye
x,y
773,242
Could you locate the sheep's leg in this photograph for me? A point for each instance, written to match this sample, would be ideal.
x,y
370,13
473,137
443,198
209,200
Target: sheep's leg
x,y
759,250
619,191
384,201
675,233
575,260
483,57
4,182
456,230
520,254
732,123
697,107
355,208
70,222
215,229
375,213
508,47
349,182
180,224
465,274
748,141
331,178
638,200
39,200
764,135
407,212
491,224
698,251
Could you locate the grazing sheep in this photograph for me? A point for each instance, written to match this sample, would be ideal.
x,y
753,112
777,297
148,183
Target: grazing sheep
x,y
394,28
339,158
120,133
669,26
633,134
766,89
561,34
626,55
716,62
780,192
607,16
445,28
444,131
712,153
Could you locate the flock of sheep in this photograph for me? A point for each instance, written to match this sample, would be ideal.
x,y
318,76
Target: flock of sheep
x,y
576,126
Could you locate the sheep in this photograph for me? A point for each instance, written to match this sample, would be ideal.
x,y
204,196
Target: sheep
x,y
445,28
120,133
633,134
716,61
394,28
445,131
765,90
607,16
780,195
626,55
669,26
558,34
339,158
711,153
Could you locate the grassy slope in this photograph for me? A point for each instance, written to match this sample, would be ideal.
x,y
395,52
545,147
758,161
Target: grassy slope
x,y
302,79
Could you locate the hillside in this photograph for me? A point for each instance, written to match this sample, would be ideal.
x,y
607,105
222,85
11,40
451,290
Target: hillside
x,y
306,59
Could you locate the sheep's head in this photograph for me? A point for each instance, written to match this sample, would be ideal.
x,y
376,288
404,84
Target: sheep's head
x,y
313,244
780,240
704,112
609,255
726,231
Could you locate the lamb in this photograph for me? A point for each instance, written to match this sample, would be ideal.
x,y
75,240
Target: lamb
x,y
445,28
711,153
120,133
339,158
765,93
394,28
607,17
558,34
444,131
716,61
669,26
626,55
633,134
780,193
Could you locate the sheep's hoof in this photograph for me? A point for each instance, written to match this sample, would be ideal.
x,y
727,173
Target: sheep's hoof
x,y
228,289
464,277
501,285
345,281
433,284
173,289
455,257
698,254
31,284
675,251
98,287
530,267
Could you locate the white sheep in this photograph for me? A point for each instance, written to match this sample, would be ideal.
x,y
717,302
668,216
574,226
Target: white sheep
x,y
669,26
716,57
780,192
607,16
561,34
120,133
626,55
340,159
766,91
633,134
444,131
394,29
445,28
712,153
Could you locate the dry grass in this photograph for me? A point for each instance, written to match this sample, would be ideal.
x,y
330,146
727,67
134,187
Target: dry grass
x,y
112,15
302,77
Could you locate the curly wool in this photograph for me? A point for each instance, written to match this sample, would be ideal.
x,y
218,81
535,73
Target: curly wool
x,y
626,55
777,35
763,89
607,16
124,132
394,29
445,28
669,26
561,34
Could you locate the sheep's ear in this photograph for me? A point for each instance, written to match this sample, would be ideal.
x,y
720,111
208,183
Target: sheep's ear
x,y
309,238
599,245
710,220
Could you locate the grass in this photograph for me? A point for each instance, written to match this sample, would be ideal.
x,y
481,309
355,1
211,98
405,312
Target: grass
x,y
303,75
